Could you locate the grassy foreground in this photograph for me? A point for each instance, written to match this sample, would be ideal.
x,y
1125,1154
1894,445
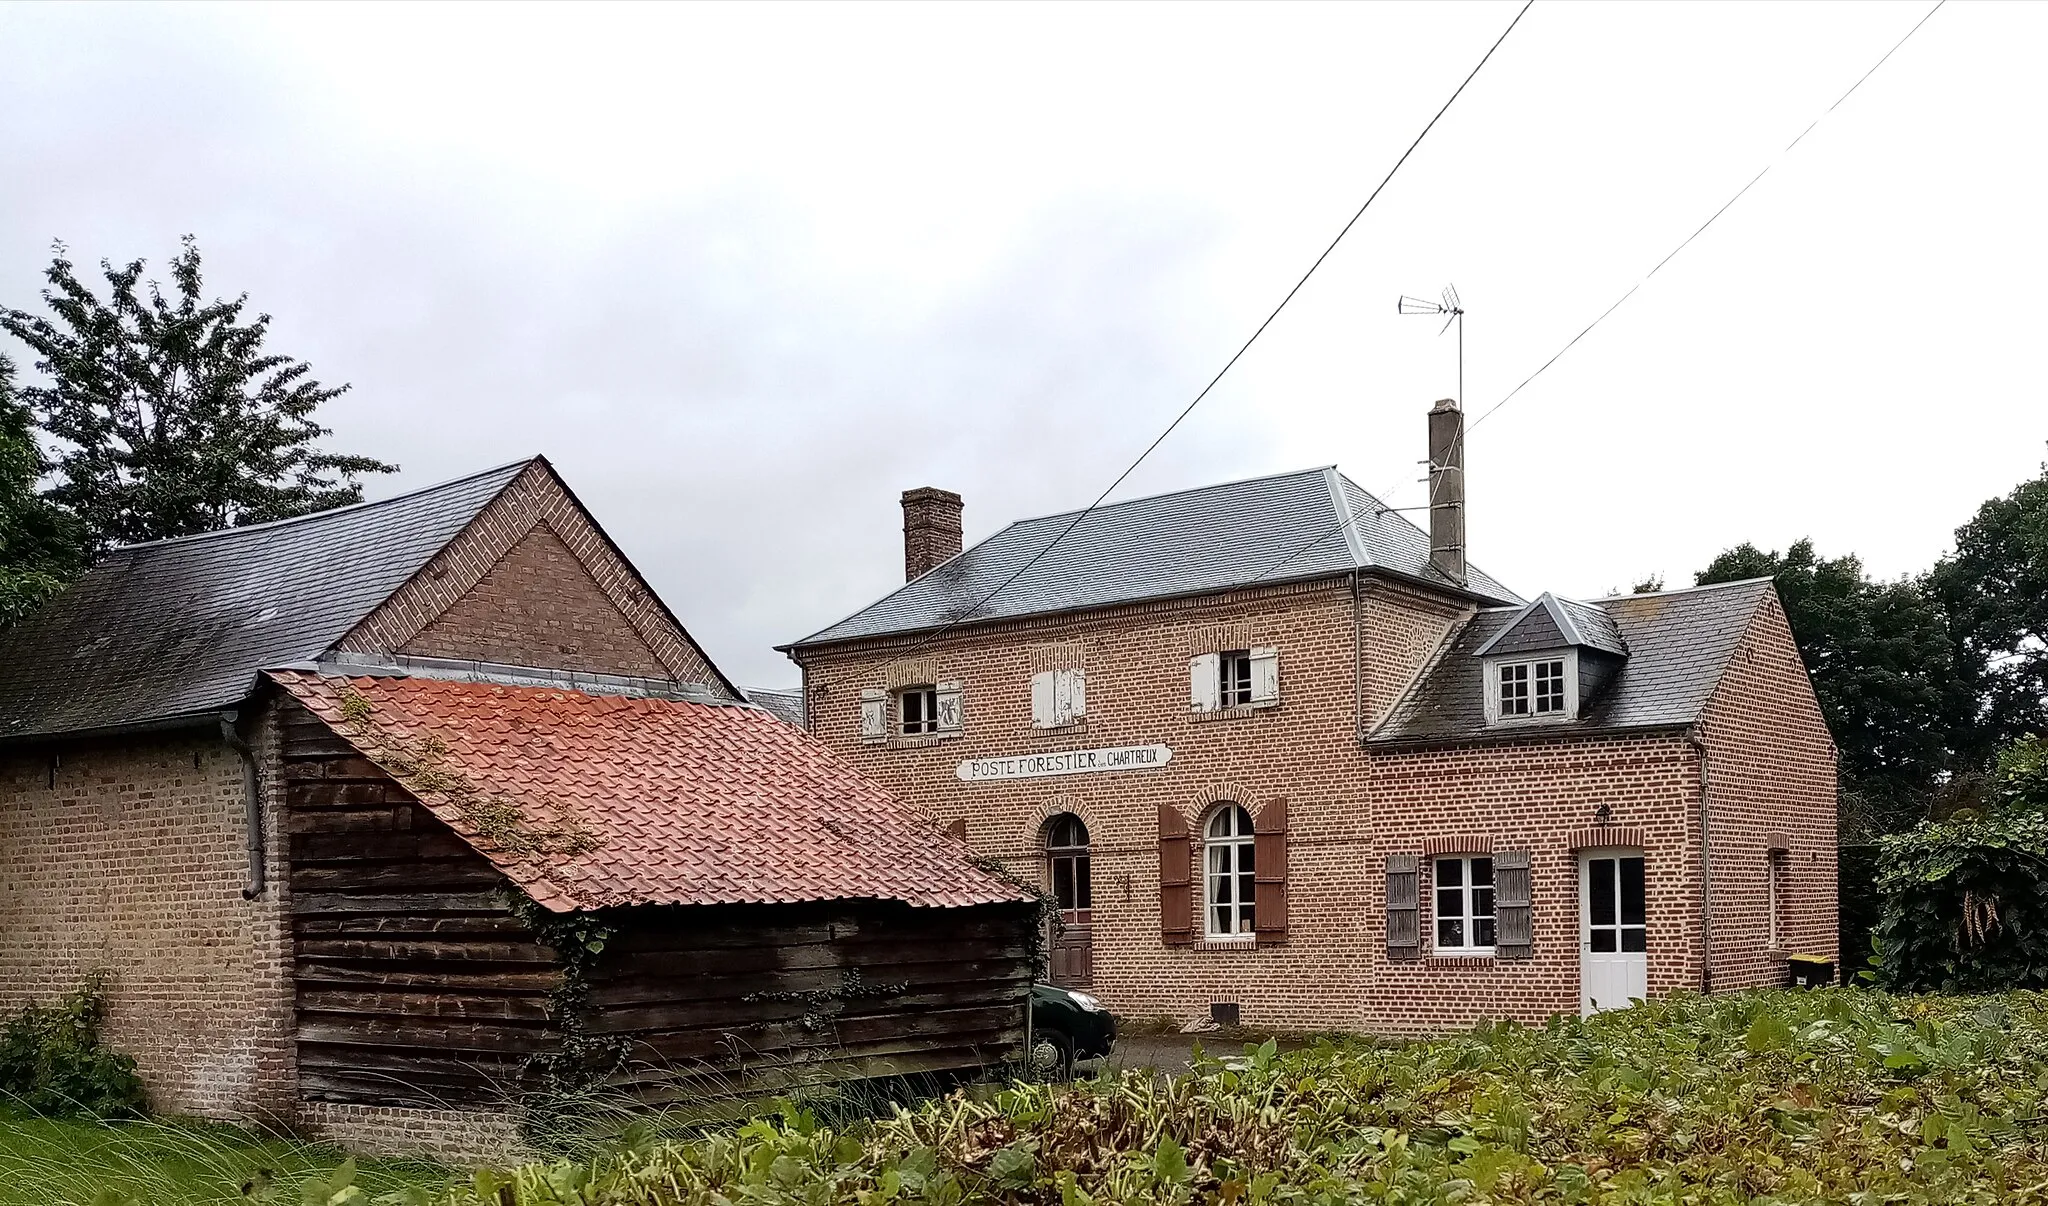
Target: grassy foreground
x,y
46,1161
1838,1096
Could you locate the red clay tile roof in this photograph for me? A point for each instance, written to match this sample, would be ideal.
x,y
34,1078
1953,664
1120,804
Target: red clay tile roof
x,y
589,801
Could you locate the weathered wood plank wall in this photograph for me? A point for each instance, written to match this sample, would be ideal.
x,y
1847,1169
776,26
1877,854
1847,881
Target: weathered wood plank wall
x,y
755,998
416,984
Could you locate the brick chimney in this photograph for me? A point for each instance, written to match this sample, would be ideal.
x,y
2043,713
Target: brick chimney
x,y
931,529
1446,489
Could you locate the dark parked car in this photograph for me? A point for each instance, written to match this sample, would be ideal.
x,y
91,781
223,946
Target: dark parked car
x,y
1067,1026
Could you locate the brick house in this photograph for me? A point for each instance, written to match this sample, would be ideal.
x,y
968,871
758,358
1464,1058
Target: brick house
x,y
1284,757
290,783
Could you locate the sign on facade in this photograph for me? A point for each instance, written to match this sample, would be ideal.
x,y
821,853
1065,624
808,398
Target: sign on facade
x,y
1072,762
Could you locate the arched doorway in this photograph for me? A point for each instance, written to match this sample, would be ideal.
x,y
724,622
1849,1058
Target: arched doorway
x,y
1067,874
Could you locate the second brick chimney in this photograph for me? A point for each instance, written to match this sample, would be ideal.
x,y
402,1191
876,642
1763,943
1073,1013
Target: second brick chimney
x,y
931,529
1446,490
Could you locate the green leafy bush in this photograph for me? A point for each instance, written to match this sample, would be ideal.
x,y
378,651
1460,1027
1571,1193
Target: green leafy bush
x,y
1964,904
51,1060
1770,1097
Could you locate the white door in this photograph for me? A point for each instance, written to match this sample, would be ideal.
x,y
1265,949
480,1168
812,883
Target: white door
x,y
1614,936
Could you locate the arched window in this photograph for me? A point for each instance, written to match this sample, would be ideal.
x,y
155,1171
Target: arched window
x,y
1066,857
1229,884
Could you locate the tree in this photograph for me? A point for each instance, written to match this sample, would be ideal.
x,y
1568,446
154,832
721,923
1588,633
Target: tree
x,y
40,546
1994,588
169,417
1884,669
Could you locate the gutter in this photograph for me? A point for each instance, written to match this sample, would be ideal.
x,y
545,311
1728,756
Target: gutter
x,y
1357,662
252,803
1697,739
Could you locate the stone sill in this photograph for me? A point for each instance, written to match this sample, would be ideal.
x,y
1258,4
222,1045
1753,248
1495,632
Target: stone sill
x,y
1227,944
1239,712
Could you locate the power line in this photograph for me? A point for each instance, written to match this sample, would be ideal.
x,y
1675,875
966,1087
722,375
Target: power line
x,y
1235,357
1355,516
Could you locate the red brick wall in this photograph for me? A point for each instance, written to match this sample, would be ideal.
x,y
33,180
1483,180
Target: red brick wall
x,y
1531,796
1137,664
133,859
539,606
1770,775
535,498
1348,810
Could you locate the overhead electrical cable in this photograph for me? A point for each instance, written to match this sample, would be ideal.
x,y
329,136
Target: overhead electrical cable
x,y
1355,516
979,606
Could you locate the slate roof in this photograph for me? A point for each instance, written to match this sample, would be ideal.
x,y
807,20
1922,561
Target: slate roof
x,y
627,800
1679,643
784,703
1277,529
1549,622
174,627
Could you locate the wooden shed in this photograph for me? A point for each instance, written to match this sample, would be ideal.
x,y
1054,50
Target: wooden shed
x,y
495,879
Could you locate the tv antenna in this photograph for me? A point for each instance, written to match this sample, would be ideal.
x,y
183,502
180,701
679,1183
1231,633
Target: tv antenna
x,y
1447,303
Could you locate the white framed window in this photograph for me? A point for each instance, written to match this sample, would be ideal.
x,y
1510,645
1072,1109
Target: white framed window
x,y
1235,678
928,709
917,710
1774,866
1543,688
1230,885
1464,905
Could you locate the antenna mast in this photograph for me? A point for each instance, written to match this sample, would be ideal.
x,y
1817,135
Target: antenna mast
x,y
1447,304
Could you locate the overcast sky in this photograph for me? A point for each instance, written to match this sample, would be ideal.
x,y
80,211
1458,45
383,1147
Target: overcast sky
x,y
744,274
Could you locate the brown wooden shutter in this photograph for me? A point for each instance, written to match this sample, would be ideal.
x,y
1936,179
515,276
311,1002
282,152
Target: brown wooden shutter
x,y
1404,910
1269,860
958,828
1176,902
1514,935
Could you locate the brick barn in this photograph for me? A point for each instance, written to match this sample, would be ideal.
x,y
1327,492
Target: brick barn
x,y
319,792
1287,759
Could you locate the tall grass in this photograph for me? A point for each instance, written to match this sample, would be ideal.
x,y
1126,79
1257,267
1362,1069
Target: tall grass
x,y
82,1162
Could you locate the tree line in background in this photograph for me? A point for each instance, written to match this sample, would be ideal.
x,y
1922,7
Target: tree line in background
x,y
160,415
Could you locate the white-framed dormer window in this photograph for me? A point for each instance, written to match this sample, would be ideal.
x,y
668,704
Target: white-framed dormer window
x,y
1230,882
1464,905
1538,688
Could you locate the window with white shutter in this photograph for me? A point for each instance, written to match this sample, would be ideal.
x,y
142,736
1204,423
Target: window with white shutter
x,y
1059,698
874,715
1204,687
1077,695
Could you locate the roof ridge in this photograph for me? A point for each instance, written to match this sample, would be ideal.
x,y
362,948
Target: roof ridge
x,y
1682,590
328,512
1125,502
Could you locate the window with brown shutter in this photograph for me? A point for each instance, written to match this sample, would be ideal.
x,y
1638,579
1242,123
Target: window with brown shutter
x,y
1514,932
1404,910
1176,902
1270,861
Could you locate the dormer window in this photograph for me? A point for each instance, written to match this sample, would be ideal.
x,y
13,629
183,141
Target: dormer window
x,y
1532,689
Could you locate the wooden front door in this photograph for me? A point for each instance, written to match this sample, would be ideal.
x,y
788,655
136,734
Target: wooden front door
x,y
1066,861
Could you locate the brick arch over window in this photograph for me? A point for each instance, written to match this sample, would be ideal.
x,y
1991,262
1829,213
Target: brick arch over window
x,y
1052,807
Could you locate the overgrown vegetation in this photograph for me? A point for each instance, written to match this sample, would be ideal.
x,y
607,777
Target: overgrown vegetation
x,y
1833,1096
52,1061
1965,909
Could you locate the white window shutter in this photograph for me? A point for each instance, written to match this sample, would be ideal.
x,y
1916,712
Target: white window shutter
x,y
1203,694
948,707
1063,697
1043,700
1265,676
1079,705
874,715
